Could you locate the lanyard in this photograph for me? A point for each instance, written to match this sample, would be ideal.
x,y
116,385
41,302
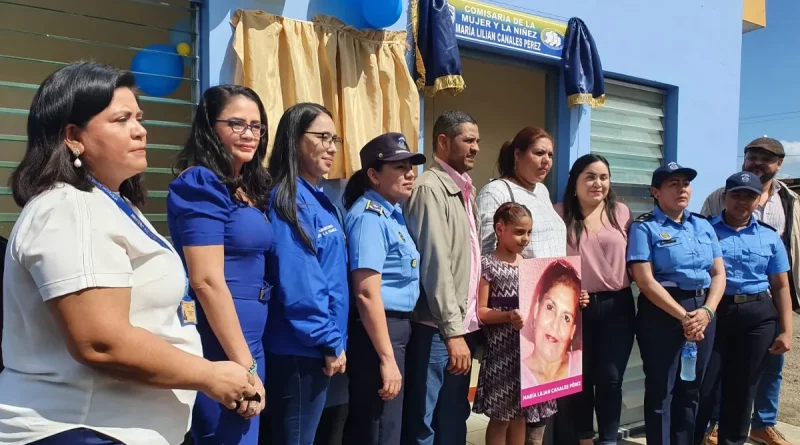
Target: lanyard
x,y
126,209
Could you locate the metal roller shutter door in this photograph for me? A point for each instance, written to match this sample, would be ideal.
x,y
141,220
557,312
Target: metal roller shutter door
x,y
39,36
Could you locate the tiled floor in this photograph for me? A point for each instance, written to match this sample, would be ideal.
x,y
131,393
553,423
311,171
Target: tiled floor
x,y
791,432
476,425
476,431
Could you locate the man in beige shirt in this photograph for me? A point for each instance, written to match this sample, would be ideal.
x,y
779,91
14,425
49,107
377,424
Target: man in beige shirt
x,y
441,218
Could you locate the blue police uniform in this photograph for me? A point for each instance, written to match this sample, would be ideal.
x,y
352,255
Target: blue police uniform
x,y
378,240
747,320
308,314
681,255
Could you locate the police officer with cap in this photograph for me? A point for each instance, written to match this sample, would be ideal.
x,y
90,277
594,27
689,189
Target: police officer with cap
x,y
755,314
384,265
675,260
779,207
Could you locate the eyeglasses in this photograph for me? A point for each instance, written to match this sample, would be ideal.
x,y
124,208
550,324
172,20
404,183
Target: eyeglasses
x,y
240,127
327,139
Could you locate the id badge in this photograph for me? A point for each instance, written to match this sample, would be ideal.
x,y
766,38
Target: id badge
x,y
186,311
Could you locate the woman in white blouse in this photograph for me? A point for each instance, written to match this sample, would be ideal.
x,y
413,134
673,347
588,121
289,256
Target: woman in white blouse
x,y
99,344
524,163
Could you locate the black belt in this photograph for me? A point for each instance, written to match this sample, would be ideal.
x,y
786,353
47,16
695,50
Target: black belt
x,y
679,293
397,315
606,294
747,298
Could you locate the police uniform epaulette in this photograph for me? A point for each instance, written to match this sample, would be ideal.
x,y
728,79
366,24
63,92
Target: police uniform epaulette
x,y
374,207
762,223
699,215
645,217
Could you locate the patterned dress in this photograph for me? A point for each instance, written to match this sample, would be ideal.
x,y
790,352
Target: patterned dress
x,y
498,393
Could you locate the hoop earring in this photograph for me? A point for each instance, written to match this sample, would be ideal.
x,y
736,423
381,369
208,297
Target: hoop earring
x,y
77,162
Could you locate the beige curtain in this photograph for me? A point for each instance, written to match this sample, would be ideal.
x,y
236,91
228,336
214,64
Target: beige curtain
x,y
360,76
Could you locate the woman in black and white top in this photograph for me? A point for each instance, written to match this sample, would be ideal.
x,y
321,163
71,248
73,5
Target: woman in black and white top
x,y
524,163
99,343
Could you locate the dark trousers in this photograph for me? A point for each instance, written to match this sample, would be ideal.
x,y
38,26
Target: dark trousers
x,y
331,425
78,436
609,322
436,406
372,420
744,333
670,404
296,389
330,430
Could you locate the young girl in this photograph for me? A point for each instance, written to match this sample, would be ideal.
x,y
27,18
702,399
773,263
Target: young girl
x,y
498,393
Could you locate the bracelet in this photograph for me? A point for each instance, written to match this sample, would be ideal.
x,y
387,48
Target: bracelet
x,y
253,368
710,312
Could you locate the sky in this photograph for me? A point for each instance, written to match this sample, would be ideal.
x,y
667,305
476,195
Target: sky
x,y
770,83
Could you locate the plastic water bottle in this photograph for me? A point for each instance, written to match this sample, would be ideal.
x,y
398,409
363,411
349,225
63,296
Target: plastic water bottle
x,y
688,361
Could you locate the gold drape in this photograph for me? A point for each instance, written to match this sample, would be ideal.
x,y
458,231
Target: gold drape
x,y
360,76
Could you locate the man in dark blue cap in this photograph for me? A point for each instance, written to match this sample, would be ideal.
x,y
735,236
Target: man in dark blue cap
x,y
754,316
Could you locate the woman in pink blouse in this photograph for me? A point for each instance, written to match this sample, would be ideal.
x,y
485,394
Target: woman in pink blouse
x,y
597,231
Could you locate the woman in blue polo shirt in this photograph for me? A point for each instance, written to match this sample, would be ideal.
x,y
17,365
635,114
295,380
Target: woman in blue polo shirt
x,y
675,260
749,326
385,280
306,331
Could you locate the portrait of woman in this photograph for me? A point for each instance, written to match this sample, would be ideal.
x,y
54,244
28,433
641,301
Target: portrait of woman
x,y
551,339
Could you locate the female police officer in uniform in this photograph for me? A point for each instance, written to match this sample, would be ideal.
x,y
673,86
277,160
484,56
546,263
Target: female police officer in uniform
x,y
385,281
676,262
755,265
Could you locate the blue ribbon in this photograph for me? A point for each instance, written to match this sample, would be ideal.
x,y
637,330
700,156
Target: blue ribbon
x,y
128,210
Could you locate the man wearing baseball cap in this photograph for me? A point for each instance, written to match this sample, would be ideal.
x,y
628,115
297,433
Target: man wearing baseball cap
x,y
778,207
754,315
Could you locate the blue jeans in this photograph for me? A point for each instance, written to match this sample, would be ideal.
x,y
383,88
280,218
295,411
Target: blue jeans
x,y
436,405
296,387
765,407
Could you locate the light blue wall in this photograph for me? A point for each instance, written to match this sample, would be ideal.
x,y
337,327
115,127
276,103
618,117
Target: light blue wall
x,y
690,47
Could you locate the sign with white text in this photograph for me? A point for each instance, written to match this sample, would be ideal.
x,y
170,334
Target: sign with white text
x,y
504,28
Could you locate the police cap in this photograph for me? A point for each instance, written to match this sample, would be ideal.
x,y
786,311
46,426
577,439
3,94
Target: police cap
x,y
387,148
665,171
743,181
